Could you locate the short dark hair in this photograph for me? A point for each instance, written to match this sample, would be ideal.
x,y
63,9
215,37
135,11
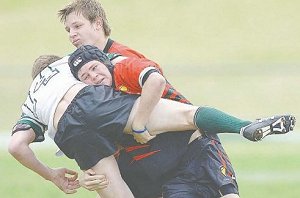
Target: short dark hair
x,y
90,9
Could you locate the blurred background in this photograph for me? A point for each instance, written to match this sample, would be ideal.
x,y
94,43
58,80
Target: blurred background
x,y
239,56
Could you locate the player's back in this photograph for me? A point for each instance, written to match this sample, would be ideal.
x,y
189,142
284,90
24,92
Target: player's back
x,y
46,91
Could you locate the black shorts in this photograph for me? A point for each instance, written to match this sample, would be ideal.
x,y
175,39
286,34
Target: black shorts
x,y
176,168
145,168
92,123
205,171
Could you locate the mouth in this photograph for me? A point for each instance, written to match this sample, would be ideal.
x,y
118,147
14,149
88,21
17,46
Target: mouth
x,y
76,42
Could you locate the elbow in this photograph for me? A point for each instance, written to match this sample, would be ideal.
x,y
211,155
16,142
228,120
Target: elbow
x,y
161,85
20,141
162,81
158,80
14,146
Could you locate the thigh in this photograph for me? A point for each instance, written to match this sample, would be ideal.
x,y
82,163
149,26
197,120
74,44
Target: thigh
x,y
167,115
117,187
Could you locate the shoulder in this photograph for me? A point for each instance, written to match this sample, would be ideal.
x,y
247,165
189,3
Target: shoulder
x,y
116,47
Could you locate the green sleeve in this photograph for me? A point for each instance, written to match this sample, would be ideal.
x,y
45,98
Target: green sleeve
x,y
26,122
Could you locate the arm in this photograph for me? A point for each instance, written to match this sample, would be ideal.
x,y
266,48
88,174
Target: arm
x,y
152,91
19,148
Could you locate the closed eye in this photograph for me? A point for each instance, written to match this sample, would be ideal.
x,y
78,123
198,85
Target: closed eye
x,y
94,67
77,26
84,77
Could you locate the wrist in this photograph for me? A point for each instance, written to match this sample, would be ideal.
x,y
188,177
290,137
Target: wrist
x,y
139,131
50,176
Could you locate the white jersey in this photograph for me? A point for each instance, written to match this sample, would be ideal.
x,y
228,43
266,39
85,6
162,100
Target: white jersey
x,y
46,91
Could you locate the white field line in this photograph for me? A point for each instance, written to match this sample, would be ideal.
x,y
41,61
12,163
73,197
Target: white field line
x,y
5,136
291,138
268,176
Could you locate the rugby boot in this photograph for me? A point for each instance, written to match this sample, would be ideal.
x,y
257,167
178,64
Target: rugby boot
x,y
263,127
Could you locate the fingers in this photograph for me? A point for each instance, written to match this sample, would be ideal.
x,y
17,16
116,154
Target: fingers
x,y
143,137
96,184
151,137
70,191
91,177
93,182
73,184
73,173
90,172
70,172
70,187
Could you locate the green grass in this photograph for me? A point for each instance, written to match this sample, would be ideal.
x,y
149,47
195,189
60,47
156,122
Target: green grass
x,y
239,56
219,48
17,181
266,169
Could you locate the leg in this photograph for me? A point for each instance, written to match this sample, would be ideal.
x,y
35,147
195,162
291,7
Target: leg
x,y
167,115
117,187
205,171
174,116
212,120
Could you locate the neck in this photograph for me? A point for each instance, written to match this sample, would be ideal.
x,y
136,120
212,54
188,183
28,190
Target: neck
x,y
101,43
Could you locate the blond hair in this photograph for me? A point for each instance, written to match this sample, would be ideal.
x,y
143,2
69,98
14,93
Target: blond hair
x,y
90,9
41,63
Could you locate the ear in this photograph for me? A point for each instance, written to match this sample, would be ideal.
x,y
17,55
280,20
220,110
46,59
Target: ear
x,y
98,24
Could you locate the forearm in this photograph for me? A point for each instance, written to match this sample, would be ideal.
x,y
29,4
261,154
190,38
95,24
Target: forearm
x,y
64,179
20,150
29,160
151,93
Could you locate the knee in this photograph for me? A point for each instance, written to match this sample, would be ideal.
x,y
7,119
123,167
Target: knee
x,y
190,114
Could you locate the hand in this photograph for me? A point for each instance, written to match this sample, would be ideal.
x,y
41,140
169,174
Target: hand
x,y
65,179
142,136
90,181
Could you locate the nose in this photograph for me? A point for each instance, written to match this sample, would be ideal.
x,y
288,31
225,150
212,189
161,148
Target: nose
x,y
72,33
94,77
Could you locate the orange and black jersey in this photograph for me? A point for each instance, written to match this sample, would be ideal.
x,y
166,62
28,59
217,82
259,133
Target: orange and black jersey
x,y
148,155
117,48
131,73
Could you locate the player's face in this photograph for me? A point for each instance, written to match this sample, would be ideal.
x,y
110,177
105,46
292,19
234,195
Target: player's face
x,y
82,31
95,73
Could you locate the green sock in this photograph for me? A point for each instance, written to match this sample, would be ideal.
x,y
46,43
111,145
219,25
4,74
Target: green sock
x,y
211,120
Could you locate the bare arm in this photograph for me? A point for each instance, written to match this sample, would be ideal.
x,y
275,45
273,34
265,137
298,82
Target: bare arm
x,y
152,91
19,148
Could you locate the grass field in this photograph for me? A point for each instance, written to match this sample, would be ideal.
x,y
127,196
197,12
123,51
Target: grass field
x,y
265,169
239,56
